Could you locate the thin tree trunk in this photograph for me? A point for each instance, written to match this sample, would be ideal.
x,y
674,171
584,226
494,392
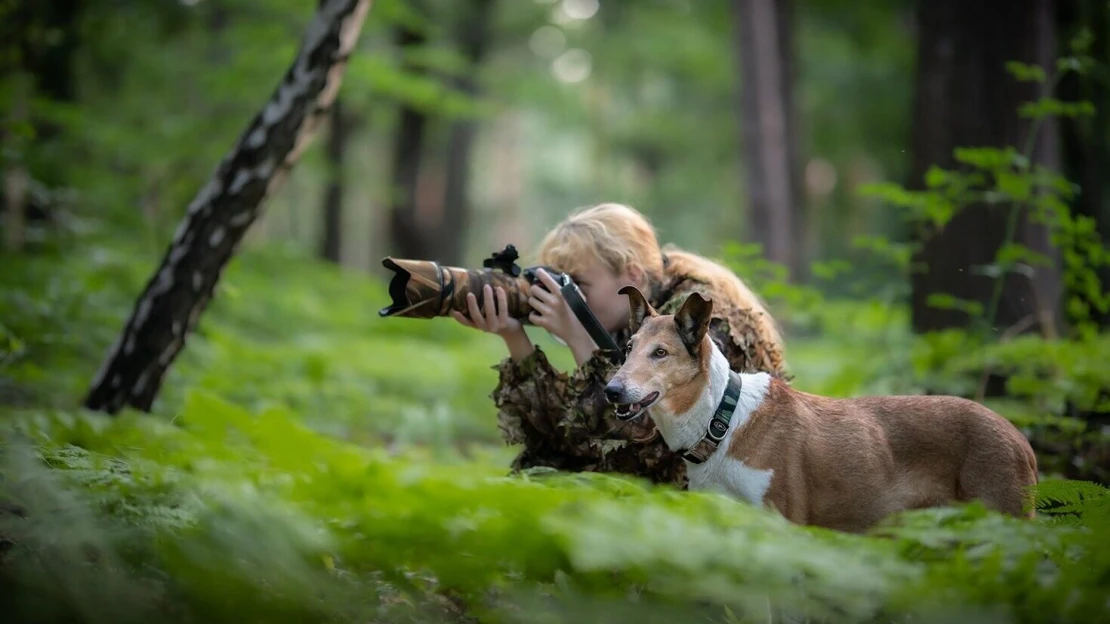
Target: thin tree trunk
x,y
767,123
408,239
16,180
219,216
42,38
965,98
473,36
332,239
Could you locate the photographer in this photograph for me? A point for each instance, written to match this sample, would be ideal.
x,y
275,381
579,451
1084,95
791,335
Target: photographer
x,y
564,421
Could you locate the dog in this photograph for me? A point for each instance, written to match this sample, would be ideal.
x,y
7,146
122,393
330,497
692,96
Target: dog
x,y
843,464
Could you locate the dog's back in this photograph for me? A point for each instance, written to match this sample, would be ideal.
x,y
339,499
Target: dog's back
x,y
847,463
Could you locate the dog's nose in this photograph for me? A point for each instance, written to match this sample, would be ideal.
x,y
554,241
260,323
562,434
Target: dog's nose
x,y
613,391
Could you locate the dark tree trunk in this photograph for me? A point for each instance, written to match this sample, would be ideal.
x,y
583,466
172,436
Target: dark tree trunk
x,y
224,209
965,98
764,45
407,238
1086,140
50,59
16,179
41,38
1086,154
332,239
472,36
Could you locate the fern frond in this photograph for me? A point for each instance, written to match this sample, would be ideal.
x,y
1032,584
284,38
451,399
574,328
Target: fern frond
x,y
1073,501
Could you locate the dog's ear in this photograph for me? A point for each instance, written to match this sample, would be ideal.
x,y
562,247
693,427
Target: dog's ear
x,y
638,306
693,320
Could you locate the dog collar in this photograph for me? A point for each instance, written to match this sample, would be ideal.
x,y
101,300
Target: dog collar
x,y
718,425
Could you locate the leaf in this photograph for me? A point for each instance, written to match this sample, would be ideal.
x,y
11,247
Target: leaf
x,y
1016,186
892,193
945,301
1014,253
1025,72
936,177
1052,107
987,158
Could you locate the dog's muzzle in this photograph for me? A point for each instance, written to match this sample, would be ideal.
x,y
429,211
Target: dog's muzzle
x,y
615,393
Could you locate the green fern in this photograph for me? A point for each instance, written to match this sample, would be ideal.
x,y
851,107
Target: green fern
x,y
1074,502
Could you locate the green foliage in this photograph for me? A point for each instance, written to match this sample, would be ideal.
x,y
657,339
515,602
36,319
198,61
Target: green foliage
x,y
307,461
310,462
312,341
226,511
1005,176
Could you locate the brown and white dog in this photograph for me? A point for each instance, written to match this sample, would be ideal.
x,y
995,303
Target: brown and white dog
x,y
843,464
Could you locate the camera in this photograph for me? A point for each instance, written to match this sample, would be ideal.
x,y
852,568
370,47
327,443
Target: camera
x,y
426,289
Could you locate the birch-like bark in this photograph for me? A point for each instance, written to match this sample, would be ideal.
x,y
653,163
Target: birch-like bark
x,y
223,210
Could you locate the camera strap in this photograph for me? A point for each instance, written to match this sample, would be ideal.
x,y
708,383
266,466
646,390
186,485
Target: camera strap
x,y
586,316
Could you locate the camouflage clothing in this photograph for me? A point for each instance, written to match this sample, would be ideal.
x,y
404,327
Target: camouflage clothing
x,y
564,421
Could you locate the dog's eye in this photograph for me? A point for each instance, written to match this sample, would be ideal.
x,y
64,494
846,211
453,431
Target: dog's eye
x,y
660,352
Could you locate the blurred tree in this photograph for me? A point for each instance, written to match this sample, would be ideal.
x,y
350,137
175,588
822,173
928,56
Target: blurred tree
x,y
1086,139
472,36
223,210
36,65
966,98
768,125
407,238
340,126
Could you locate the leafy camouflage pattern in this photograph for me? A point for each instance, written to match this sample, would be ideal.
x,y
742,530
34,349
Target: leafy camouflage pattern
x,y
564,422
425,289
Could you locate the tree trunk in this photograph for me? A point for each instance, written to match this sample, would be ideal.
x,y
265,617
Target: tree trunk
x,y
473,36
331,240
1086,140
40,40
224,209
15,179
965,98
408,238
768,129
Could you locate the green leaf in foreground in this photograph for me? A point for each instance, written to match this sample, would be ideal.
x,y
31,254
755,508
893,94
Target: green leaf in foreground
x,y
234,512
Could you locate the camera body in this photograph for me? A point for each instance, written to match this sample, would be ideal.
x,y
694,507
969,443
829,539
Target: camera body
x,y
532,276
427,289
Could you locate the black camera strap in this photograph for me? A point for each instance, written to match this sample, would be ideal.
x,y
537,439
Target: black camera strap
x,y
586,316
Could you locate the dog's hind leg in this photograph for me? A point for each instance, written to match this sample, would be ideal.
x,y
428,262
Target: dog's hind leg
x,y
1001,478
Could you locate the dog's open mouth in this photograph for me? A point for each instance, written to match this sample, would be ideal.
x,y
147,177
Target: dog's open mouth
x,y
628,411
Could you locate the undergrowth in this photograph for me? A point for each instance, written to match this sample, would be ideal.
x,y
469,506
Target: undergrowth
x,y
309,461
228,514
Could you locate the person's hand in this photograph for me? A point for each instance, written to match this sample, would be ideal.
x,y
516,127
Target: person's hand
x,y
495,320
551,311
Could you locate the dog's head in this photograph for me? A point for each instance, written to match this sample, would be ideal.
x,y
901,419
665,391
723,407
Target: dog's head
x,y
667,361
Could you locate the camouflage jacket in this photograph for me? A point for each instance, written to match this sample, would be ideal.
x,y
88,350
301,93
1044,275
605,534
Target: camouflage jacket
x,y
565,423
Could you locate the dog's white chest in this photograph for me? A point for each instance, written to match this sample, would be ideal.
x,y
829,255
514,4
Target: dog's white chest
x,y
730,476
722,472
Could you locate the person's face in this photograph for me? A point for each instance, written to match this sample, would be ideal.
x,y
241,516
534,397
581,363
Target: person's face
x,y
599,285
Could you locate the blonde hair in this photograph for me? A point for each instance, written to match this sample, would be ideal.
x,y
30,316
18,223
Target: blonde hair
x,y
613,233
619,235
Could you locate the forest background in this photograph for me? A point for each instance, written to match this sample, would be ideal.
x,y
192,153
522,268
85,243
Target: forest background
x,y
917,188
